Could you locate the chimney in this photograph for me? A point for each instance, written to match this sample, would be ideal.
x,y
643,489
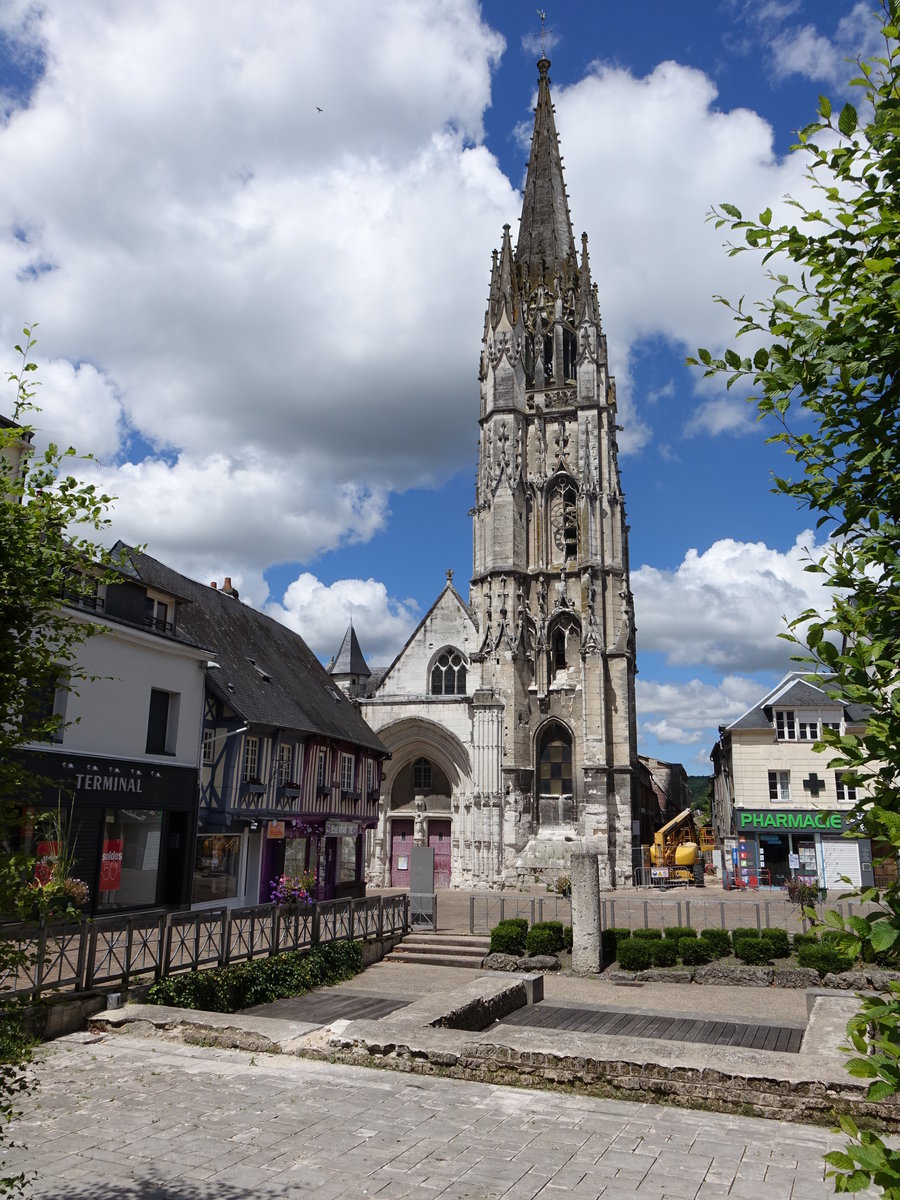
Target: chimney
x,y
214,585
228,590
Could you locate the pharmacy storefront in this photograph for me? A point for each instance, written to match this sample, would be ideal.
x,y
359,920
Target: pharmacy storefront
x,y
813,846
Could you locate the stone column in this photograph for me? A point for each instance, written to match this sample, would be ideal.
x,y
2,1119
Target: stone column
x,y
586,947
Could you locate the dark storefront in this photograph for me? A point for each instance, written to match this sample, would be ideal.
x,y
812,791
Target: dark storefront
x,y
131,824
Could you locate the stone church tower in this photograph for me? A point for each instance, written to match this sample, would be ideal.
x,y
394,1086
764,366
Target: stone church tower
x,y
511,718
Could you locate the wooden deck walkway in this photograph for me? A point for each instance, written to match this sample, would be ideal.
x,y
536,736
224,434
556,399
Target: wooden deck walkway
x,y
321,1008
630,1023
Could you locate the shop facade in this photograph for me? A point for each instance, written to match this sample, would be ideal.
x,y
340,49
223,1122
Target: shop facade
x,y
814,847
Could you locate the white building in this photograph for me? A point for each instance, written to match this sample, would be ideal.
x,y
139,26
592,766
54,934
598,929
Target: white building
x,y
778,810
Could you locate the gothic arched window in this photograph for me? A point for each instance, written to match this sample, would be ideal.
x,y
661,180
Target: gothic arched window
x,y
422,775
564,522
448,675
555,762
570,353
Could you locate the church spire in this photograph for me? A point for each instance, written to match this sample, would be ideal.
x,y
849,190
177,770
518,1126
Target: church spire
x,y
545,233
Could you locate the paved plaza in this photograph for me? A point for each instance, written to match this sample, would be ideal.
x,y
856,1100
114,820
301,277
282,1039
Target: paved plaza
x,y
127,1118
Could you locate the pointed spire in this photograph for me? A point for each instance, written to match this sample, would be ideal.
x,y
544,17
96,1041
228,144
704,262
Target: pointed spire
x,y
545,233
502,292
349,660
584,304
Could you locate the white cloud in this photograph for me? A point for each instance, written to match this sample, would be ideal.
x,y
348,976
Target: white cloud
x,y
321,614
726,607
688,713
803,50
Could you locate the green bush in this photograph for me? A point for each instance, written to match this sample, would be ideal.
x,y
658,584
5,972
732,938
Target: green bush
x,y
719,941
805,939
648,935
634,954
556,929
241,985
754,951
541,940
695,952
508,938
664,953
567,937
609,940
518,922
679,931
779,941
743,931
824,958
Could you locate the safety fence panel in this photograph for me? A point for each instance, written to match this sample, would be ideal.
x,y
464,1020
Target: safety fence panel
x,y
487,911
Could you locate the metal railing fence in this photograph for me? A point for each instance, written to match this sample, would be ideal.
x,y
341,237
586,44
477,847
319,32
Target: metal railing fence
x,y
487,911
116,951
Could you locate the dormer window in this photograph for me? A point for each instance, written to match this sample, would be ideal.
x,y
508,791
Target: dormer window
x,y
159,614
785,725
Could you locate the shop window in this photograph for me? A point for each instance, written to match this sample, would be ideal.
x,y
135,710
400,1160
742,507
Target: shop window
x,y
846,792
347,860
129,859
422,775
780,786
285,763
555,763
347,772
448,675
216,868
162,722
251,760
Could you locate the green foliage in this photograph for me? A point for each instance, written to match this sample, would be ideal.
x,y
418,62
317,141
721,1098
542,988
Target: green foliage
x,y
779,942
241,985
609,940
517,923
634,954
544,937
562,885
805,939
802,894
824,958
695,952
743,931
664,953
649,935
718,939
679,931
15,1051
567,937
508,938
754,951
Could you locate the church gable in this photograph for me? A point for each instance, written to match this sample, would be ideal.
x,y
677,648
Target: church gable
x,y
446,627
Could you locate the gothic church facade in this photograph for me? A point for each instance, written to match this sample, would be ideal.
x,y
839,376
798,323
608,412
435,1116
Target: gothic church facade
x,y
511,717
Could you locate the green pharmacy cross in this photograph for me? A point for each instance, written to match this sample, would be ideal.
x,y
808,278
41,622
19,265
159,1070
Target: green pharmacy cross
x,y
813,784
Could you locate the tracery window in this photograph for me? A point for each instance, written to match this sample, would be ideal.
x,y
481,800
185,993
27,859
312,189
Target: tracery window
x,y
555,762
448,675
422,775
564,522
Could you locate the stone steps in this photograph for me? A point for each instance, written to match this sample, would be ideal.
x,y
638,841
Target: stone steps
x,y
441,950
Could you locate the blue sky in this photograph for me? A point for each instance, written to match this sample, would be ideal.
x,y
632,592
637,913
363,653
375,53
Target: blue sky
x,y
265,320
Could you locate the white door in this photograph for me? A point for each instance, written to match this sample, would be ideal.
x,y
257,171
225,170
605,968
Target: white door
x,y
840,856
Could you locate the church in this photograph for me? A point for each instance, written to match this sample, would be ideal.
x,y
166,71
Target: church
x,y
510,716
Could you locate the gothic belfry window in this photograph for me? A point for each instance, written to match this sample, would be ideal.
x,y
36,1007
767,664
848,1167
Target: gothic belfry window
x,y
564,523
555,761
559,650
570,353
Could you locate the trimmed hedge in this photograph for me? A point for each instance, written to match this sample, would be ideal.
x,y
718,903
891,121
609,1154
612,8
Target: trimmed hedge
x,y
695,952
545,937
754,951
241,985
824,958
609,941
743,931
508,938
635,954
805,939
718,939
679,931
779,941
567,937
664,953
518,922
647,935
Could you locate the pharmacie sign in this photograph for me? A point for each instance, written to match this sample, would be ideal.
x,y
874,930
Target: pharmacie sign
x,y
756,819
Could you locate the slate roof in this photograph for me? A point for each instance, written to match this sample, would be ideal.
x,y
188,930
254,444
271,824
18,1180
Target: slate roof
x,y
266,672
350,659
545,231
795,692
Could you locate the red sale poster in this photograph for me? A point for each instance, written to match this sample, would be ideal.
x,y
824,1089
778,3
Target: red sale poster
x,y
111,865
47,854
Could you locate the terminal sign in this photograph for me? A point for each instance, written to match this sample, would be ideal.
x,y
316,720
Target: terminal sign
x,y
756,819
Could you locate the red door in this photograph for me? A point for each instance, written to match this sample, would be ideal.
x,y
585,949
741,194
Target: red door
x,y
401,845
439,841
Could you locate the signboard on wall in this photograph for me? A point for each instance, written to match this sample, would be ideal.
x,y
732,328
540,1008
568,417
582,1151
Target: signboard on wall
x,y
341,829
750,820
